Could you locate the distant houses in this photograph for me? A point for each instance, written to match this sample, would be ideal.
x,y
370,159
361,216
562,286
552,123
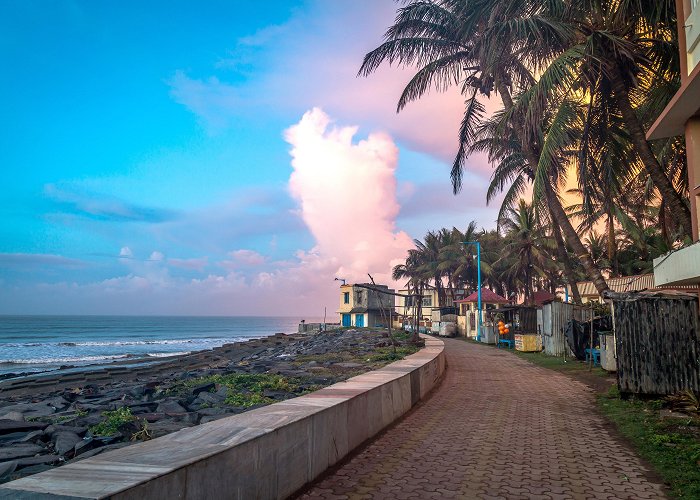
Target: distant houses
x,y
365,304
407,303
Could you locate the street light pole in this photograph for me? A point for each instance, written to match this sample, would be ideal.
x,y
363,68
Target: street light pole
x,y
478,278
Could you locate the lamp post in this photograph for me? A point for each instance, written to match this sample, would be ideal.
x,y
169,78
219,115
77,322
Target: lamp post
x,y
478,278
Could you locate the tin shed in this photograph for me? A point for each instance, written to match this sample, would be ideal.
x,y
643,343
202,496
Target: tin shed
x,y
657,345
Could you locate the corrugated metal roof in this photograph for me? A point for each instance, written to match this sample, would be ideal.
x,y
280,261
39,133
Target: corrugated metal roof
x,y
628,284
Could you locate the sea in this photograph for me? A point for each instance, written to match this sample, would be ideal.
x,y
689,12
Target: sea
x,y
31,344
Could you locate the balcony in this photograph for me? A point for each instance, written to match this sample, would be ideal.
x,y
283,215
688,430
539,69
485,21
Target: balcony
x,y
681,267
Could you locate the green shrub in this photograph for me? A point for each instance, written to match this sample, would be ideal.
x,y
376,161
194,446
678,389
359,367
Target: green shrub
x,y
113,421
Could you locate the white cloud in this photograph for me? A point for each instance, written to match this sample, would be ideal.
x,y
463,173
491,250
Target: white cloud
x,y
347,195
243,258
156,256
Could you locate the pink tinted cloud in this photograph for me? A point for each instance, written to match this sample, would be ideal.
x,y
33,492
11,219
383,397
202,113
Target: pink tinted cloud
x,y
243,258
347,194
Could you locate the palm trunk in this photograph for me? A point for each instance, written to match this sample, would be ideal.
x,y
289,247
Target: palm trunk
x,y
663,225
673,199
563,256
573,239
557,211
612,251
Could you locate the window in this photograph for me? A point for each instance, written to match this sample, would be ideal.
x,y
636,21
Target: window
x,y
359,297
427,302
346,297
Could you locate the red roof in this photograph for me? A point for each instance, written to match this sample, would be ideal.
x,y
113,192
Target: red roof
x,y
487,297
541,297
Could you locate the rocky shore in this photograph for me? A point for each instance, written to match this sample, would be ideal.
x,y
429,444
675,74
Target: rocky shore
x,y
51,419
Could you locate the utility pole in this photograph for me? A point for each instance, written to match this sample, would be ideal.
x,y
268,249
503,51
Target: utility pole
x,y
478,278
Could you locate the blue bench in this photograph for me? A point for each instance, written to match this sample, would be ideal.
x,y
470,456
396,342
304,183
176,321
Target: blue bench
x,y
509,343
596,356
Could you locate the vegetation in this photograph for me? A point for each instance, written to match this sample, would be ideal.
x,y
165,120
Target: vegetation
x,y
669,444
113,421
253,389
389,354
570,366
246,389
579,83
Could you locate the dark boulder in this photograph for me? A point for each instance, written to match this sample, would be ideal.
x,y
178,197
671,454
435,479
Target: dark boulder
x,y
9,426
65,441
22,450
204,388
170,406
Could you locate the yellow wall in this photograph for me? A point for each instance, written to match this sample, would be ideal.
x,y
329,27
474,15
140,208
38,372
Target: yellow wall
x,y
345,308
426,311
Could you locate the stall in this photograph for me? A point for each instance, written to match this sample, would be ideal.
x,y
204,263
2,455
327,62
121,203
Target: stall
x,y
468,318
519,328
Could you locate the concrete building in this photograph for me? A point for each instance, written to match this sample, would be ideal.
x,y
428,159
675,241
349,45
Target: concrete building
x,y
406,306
682,117
361,306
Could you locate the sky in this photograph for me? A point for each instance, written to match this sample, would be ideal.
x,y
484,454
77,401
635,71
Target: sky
x,y
213,158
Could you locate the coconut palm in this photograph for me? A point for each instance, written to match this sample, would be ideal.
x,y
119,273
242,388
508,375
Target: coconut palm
x,y
620,53
458,260
455,43
527,245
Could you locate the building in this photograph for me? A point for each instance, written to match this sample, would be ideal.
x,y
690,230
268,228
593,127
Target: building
x,y
682,117
405,304
468,320
588,291
363,305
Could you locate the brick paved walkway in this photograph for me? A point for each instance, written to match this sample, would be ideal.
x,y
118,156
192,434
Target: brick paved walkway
x,y
497,427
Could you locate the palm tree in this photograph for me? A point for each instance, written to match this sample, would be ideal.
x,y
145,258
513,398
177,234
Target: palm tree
x,y
597,244
457,262
456,43
430,269
411,271
528,246
617,52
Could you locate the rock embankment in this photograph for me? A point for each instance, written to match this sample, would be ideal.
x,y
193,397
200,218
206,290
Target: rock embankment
x,y
50,420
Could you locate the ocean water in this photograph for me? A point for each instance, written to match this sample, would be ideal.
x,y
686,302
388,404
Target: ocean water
x,y
39,343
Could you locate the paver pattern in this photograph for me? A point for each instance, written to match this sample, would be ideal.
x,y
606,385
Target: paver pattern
x,y
497,427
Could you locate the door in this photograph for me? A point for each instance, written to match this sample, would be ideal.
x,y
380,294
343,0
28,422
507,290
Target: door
x,y
360,320
346,320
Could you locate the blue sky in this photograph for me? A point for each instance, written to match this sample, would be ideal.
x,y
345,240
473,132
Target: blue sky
x,y
145,158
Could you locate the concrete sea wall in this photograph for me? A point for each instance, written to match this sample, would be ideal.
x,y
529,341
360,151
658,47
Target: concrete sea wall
x,y
269,452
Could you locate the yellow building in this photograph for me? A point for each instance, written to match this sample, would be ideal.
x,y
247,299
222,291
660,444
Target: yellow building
x,y
407,306
682,117
364,304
